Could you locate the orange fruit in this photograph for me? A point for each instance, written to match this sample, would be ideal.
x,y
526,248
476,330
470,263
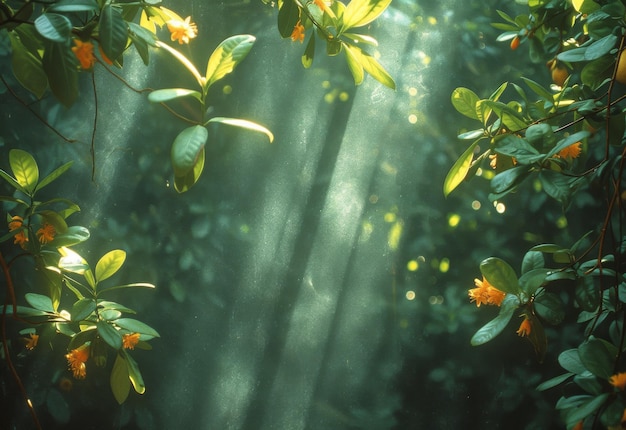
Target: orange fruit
x,y
559,74
515,43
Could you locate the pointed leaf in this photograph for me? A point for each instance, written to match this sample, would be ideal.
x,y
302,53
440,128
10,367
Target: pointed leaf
x,y
120,382
136,326
11,180
54,175
184,183
242,123
226,56
82,309
24,169
74,6
186,149
355,66
495,326
309,52
134,374
113,31
459,170
361,12
39,302
109,264
553,382
160,96
59,63
183,60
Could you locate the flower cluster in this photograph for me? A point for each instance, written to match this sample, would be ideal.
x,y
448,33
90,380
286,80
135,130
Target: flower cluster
x,y
20,237
298,32
485,293
130,340
570,152
46,233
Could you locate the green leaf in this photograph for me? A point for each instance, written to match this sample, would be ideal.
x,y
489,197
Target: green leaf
x,y
160,96
509,179
74,234
500,275
539,90
587,408
54,27
288,17
55,220
59,63
596,358
553,382
570,361
119,380
242,123
109,264
465,100
187,149
183,60
54,175
134,374
459,169
82,309
134,285
11,180
549,307
532,260
184,183
355,66
27,67
39,302
361,38
568,141
226,56
74,6
510,117
24,169
309,52
585,6
113,31
361,12
135,326
596,73
495,326
587,294
532,280
109,334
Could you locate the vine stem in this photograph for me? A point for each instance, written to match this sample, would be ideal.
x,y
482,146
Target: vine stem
x,y
11,298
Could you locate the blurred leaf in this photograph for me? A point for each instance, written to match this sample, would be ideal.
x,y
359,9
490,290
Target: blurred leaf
x,y
500,275
39,302
596,357
361,38
119,380
587,408
549,307
242,123
587,294
109,334
309,52
226,56
74,6
135,285
60,63
27,67
288,17
24,169
537,337
553,382
82,309
160,96
54,27
134,374
113,31
109,264
495,326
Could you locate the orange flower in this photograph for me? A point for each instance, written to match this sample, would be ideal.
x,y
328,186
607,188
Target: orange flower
x,y
46,233
130,340
32,342
84,53
16,222
570,152
182,30
578,426
298,32
76,360
324,5
485,293
20,239
525,327
618,380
